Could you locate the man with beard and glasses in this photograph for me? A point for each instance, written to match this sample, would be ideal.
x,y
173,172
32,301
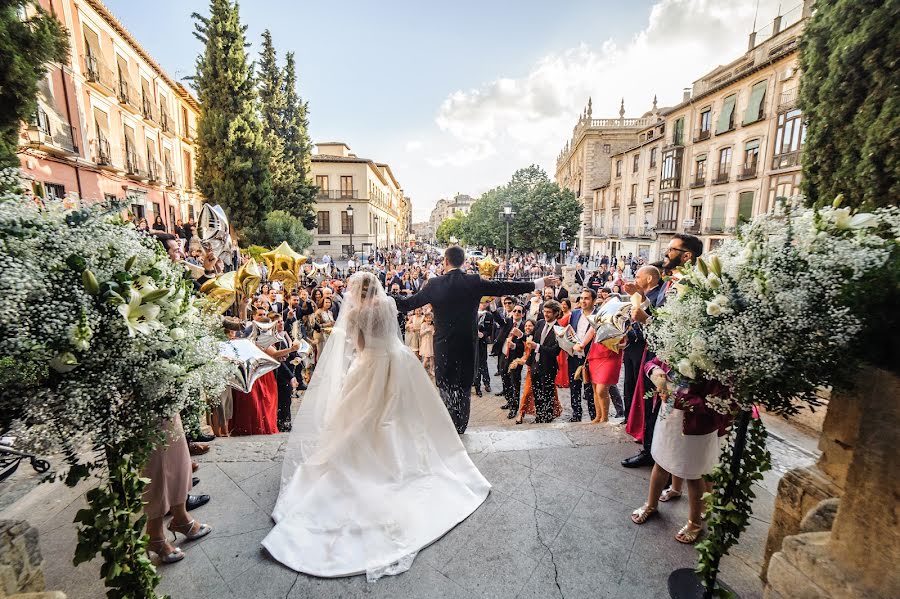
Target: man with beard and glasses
x,y
683,249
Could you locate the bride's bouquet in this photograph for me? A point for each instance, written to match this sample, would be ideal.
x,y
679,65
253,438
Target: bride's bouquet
x,y
773,314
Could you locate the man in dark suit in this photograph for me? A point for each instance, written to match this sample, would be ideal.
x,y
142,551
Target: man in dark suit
x,y
683,248
485,331
502,326
512,347
560,293
579,273
454,298
580,325
545,348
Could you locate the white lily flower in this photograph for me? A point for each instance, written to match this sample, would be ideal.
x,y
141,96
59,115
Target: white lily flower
x,y
714,281
64,362
863,220
841,218
139,318
721,300
177,334
713,309
143,285
686,368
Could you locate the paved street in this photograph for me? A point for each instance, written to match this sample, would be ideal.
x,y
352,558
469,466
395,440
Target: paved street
x,y
555,525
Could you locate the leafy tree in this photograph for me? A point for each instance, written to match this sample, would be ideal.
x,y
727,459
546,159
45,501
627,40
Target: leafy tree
x,y
27,45
232,159
283,117
541,208
298,148
278,226
848,96
451,227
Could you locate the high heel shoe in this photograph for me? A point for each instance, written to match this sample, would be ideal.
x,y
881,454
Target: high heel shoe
x,y
175,556
187,530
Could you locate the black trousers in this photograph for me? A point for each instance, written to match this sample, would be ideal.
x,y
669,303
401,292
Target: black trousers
x,y
632,360
458,402
285,394
481,367
544,389
577,389
651,411
512,386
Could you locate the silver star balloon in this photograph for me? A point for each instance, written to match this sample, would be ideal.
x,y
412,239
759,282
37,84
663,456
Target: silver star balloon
x,y
251,362
610,320
214,231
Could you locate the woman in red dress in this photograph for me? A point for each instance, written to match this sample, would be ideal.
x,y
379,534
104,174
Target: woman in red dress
x,y
256,413
562,360
604,366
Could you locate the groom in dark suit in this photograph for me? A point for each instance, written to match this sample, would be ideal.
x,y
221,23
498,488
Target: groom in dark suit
x,y
454,298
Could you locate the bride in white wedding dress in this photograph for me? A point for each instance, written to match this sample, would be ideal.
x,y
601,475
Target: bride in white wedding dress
x,y
374,469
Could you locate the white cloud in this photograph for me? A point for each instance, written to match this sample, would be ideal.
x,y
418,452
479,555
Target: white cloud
x,y
414,145
682,40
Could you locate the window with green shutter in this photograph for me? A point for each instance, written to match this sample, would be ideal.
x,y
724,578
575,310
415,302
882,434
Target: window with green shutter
x,y
755,106
678,135
726,118
745,206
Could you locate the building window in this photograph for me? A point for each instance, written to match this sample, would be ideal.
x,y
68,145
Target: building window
x,y
678,134
190,212
324,242
726,119
322,183
700,170
607,148
652,157
751,159
634,192
755,108
618,168
705,123
635,163
346,226
789,138
668,211
717,221
724,168
138,211
157,210
109,199
693,226
617,200
172,219
651,188
745,207
55,191
671,169
323,221
346,187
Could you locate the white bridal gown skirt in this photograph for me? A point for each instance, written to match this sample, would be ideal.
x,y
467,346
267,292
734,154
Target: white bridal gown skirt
x,y
685,456
385,475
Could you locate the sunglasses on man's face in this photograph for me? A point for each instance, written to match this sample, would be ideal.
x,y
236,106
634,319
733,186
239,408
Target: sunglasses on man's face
x,y
517,311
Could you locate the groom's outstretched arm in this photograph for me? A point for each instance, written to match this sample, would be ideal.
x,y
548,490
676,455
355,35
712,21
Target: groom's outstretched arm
x,y
497,288
416,300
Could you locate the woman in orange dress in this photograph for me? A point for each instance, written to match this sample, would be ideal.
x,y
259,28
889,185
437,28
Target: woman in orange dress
x,y
526,403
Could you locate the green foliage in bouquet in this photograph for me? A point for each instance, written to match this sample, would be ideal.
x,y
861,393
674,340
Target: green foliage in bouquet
x,y
100,344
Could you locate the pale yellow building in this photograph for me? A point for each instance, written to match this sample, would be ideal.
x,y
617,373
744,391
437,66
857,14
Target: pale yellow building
x,y
718,158
347,181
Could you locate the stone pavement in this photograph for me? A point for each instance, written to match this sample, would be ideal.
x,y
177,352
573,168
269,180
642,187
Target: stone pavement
x,y
555,525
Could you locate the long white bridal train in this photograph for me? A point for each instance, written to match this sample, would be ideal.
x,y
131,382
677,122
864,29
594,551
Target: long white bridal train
x,y
374,470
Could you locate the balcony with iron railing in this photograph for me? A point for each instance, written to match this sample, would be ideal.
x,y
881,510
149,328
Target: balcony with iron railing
x,y
643,233
786,160
614,231
692,226
133,166
98,74
154,171
667,225
166,123
788,99
101,151
148,110
702,136
648,200
699,181
171,176
338,194
127,96
714,226
722,176
748,171
630,231
50,133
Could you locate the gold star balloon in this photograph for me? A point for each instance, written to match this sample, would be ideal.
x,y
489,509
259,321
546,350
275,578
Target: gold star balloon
x,y
284,264
487,267
248,278
220,291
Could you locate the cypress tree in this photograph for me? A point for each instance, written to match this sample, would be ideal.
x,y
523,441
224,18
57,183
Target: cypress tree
x,y
848,95
297,146
232,160
27,46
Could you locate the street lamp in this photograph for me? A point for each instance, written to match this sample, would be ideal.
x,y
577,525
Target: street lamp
x,y
350,216
507,215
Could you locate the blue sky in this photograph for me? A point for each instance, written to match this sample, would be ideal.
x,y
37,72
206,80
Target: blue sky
x,y
456,96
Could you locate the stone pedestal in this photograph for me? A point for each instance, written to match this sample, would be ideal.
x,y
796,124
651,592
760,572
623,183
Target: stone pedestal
x,y
801,489
858,558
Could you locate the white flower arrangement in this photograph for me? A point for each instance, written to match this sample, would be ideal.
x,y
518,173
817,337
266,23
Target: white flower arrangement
x,y
99,337
773,313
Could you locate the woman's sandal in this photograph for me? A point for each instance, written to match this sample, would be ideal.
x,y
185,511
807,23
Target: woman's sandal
x,y
689,533
175,556
669,494
188,530
642,514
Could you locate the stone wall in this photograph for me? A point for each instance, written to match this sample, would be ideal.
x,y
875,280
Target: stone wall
x,y
21,576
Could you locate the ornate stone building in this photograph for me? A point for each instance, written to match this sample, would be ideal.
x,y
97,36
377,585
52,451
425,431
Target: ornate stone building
x,y
444,209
